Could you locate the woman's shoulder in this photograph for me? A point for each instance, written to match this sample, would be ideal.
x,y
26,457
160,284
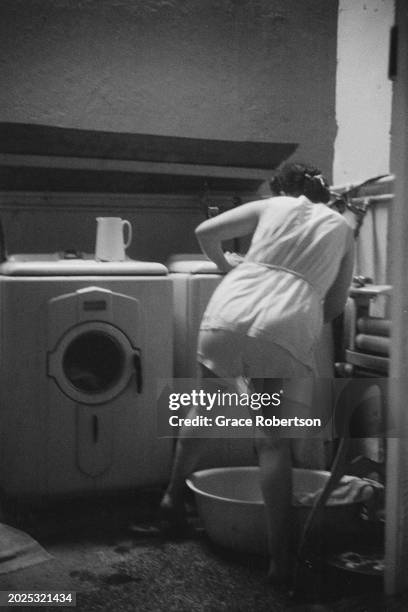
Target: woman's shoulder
x,y
334,216
275,203
335,222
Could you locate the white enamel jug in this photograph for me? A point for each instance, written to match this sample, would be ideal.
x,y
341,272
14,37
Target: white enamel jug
x,y
110,238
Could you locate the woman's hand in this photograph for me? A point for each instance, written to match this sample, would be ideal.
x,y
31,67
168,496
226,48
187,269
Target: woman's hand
x,y
224,265
233,259
235,223
229,261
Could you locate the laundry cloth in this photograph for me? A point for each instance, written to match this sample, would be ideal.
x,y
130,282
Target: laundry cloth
x,y
19,550
350,490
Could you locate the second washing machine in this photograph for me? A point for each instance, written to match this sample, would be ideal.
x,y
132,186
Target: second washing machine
x,y
194,280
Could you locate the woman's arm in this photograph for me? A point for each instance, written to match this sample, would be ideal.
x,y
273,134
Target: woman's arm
x,y
337,295
235,223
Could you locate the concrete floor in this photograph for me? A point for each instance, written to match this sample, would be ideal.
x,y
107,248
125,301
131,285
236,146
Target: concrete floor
x,y
112,553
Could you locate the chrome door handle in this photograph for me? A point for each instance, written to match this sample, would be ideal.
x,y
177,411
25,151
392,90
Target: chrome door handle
x,y
137,362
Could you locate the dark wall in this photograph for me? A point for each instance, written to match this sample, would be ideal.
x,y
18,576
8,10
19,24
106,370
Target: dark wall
x,y
242,70
259,70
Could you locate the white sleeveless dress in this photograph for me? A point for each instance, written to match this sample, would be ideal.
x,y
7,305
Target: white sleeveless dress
x,y
266,316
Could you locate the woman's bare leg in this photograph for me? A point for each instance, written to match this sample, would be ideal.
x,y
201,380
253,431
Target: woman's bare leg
x,y
189,449
187,455
276,483
276,469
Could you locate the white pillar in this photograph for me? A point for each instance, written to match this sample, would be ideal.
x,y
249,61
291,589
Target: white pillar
x,y
363,91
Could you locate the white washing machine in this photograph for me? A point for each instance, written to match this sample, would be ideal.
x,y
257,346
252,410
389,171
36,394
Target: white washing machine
x,y
83,346
194,280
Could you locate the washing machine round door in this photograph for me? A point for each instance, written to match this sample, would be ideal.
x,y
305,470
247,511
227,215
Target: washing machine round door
x,y
94,362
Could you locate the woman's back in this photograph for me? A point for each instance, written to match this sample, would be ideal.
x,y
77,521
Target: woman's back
x,y
303,237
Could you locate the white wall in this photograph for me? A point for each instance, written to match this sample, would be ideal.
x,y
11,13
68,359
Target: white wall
x,y
363,90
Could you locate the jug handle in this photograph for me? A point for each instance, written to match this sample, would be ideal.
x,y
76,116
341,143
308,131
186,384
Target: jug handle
x,y
127,224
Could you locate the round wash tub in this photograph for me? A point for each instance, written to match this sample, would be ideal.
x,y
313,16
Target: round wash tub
x,y
231,507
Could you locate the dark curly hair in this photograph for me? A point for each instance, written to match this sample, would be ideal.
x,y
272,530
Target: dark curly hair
x,y
297,179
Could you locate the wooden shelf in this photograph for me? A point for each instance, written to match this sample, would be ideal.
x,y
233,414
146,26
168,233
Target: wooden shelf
x,y
37,157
